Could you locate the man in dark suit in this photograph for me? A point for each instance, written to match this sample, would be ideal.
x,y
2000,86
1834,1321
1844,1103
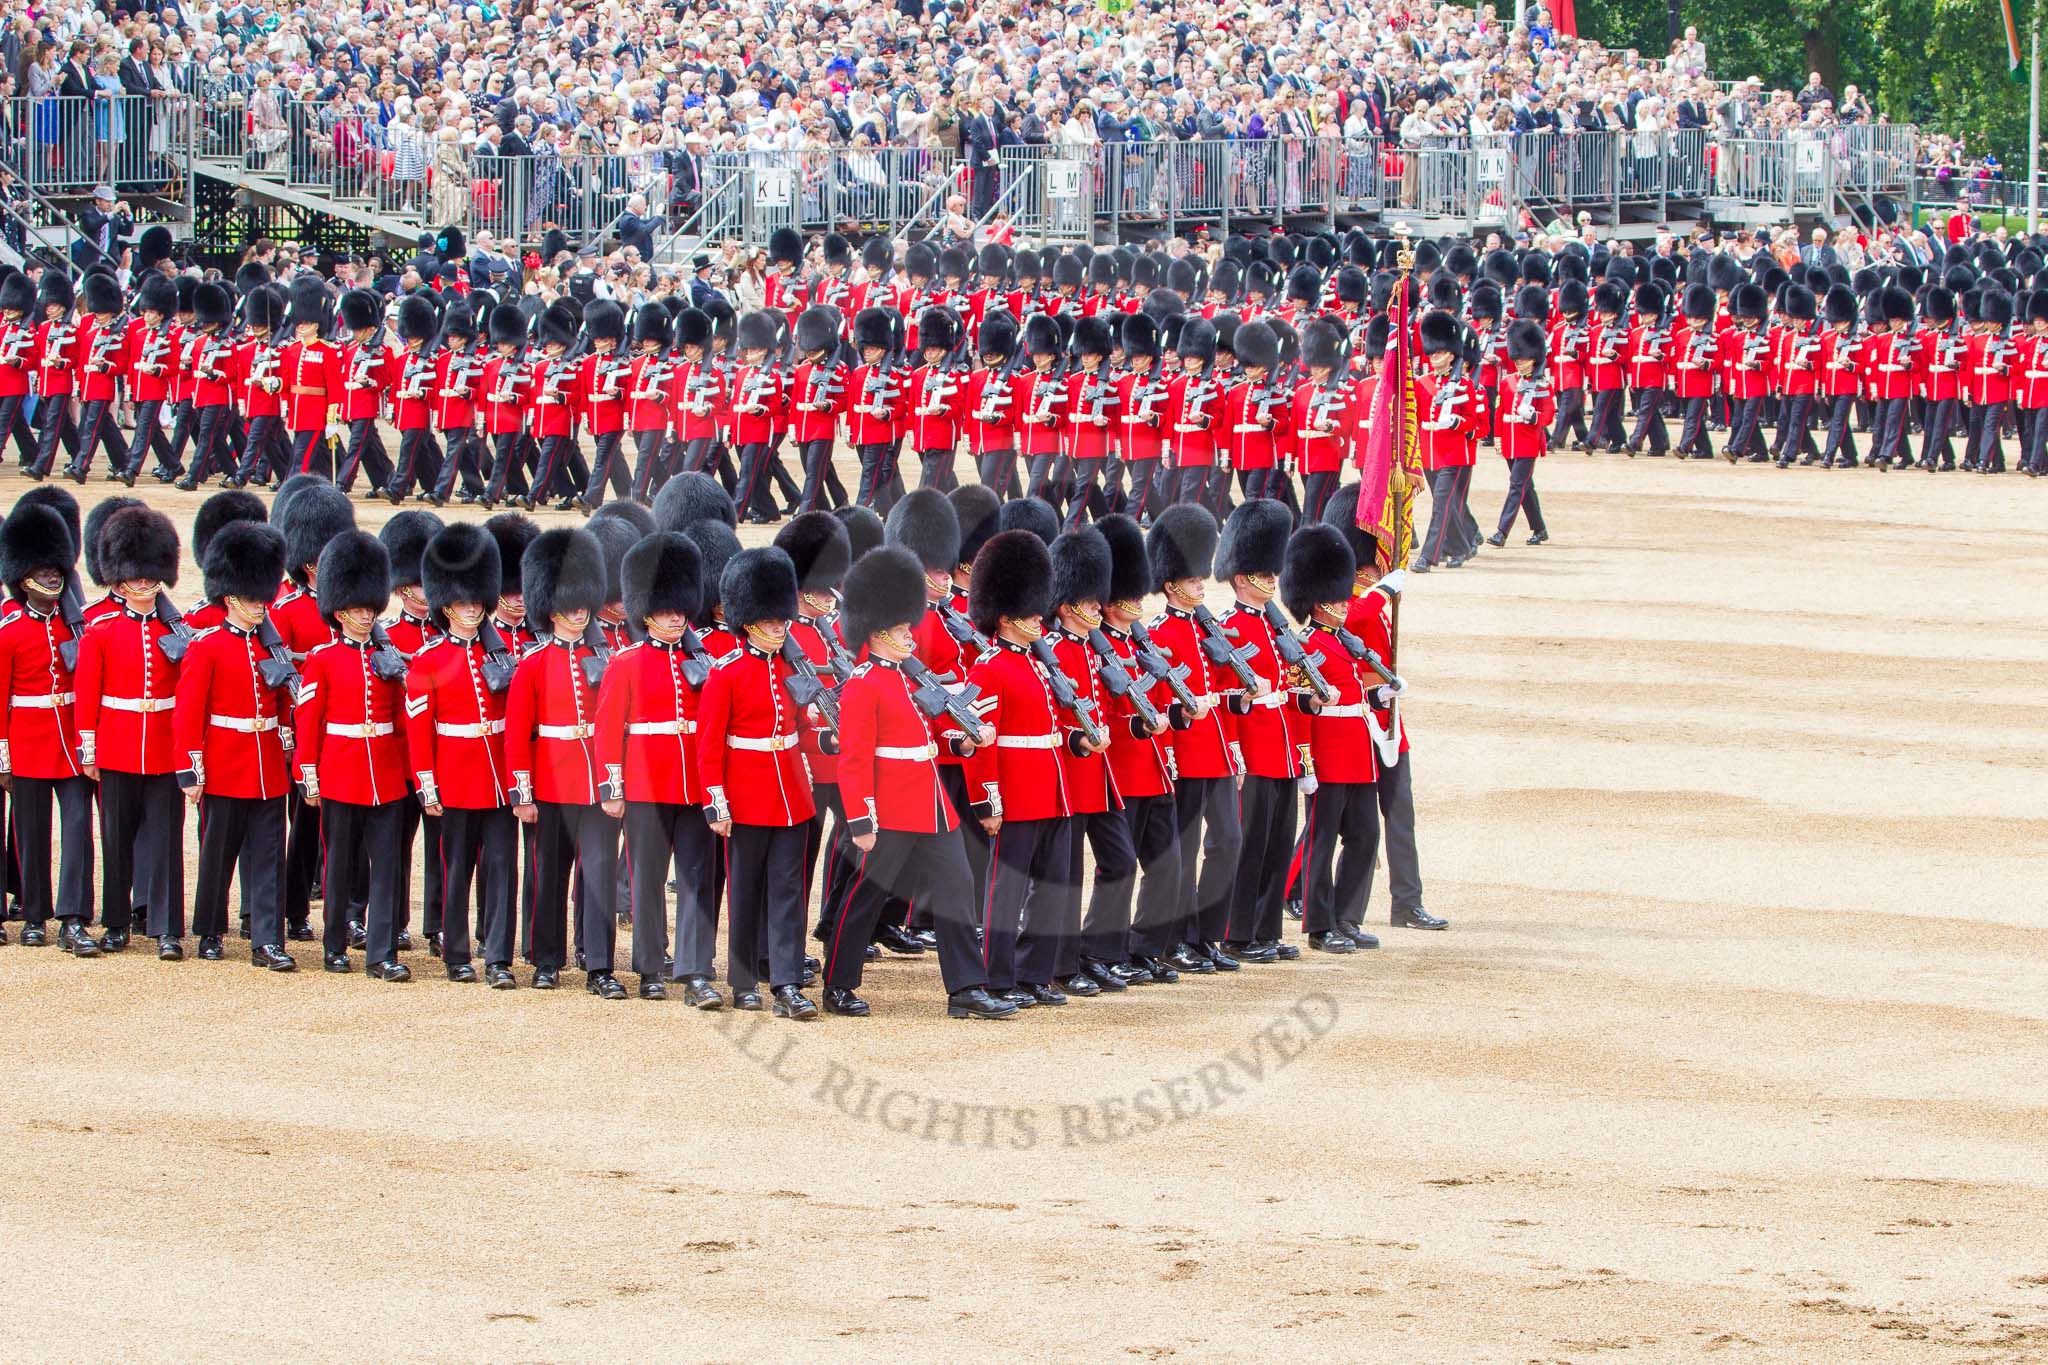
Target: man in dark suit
x,y
132,169
103,231
636,227
980,133
686,177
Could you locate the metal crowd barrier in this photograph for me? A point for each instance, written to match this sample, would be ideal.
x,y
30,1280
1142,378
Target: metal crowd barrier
x,y
65,145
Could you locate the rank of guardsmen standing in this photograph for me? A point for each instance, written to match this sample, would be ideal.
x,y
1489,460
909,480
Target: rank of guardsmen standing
x,y
909,725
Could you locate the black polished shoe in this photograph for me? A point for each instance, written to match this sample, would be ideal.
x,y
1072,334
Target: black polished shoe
x,y
928,937
604,986
792,1003
186,486
840,1000
337,963
1045,994
547,978
114,941
1103,975
402,942
462,973
746,1000
1291,908
700,994
1157,970
1496,540
653,988
433,945
388,971
32,936
272,958
1220,960
871,953
1190,958
1332,941
977,1003
209,948
169,949
898,940
1287,951
1539,538
1359,938
812,968
1256,954
1081,984
1018,996
358,935
498,976
300,931
1418,918
1130,973
73,939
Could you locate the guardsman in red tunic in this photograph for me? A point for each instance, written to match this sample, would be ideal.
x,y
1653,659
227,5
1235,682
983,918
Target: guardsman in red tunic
x,y
501,394
308,514
697,395
1648,353
55,358
647,415
988,397
1038,403
212,377
150,352
258,389
2030,386
647,742
1321,414
1887,361
1445,402
1141,414
760,411
875,411
411,631
992,263
551,745
1744,349
750,759
39,744
1253,412
369,373
1272,735
455,742
820,550
902,827
232,726
1568,338
606,382
781,288
1987,381
313,373
553,396
1607,365
126,681
817,401
1097,939
1841,369
458,368
1798,370
17,363
934,400
351,755
1191,421
1525,415
103,351
1017,786
1089,416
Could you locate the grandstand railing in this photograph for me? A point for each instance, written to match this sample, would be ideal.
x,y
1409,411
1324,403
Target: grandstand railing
x,y
65,145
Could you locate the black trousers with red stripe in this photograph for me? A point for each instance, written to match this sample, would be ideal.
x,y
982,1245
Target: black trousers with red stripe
x,y
1266,814
1020,910
142,839
1343,840
661,834
245,834
568,835
765,910
356,835
478,844
925,869
96,428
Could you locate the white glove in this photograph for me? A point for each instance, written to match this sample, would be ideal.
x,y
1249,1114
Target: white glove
x,y
1395,581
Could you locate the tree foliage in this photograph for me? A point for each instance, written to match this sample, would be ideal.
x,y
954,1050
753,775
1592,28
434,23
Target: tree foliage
x,y
1938,63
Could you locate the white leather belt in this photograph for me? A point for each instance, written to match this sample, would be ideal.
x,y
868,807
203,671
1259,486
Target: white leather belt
x,y
771,744
1208,698
371,731
248,725
48,701
1347,711
475,730
922,753
1027,741
1270,699
662,727
581,730
139,704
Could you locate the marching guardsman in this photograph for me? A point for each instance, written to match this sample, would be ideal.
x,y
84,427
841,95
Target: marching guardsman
x,y
1321,416
57,354
1095,942
184,347
1090,414
820,551
1744,350
552,396
1567,352
760,409
2030,386
1017,789
232,725
781,289
1887,363
989,404
934,400
351,755
647,416
40,764
1484,305
1208,764
308,515
412,411
1443,399
457,368
1342,809
696,392
1649,369
1141,411
17,362
875,408
647,747
749,756
405,538
312,372
455,743
212,372
992,263
830,288
902,827
103,348
1841,376
605,382
1038,397
551,747
221,509
151,371
1693,368
1798,368
1252,411
818,398
1191,423
1939,379
1525,415
1141,761
501,395
369,369
1375,591
1606,365
1987,381
87,536
126,686
1272,738
259,390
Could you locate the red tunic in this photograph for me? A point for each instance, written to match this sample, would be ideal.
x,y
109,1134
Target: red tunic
x,y
1206,748
647,725
1140,414
38,719
1338,737
367,376
1141,763
747,746
455,728
347,726
550,727
231,728
1270,731
126,689
1524,428
605,381
888,773
313,377
1020,776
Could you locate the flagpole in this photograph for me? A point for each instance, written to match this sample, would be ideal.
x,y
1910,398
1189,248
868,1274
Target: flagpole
x,y
2034,123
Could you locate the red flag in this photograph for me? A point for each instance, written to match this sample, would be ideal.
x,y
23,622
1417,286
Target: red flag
x,y
1392,437
1564,19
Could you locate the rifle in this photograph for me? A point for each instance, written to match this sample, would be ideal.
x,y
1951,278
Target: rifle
x,y
106,339
960,628
277,670
1081,708
1217,646
367,356
1116,678
807,689
1161,668
601,653
71,608
386,662
1295,657
178,636
836,658
935,699
498,661
1358,650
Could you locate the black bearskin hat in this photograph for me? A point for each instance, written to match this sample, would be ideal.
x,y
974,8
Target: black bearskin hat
x,y
651,323
863,528
361,310
1800,305
101,293
818,548
1748,301
998,335
1837,305
664,572
1197,340
1318,569
355,571
1140,335
60,501
632,513
1699,303
758,585
883,590
1256,346
604,320
1993,306
1525,340
562,571
785,246
223,509
1376,334
34,538
1650,300
1341,512
615,536
924,523
1130,570
95,520
1610,297
1080,567
507,325
1439,332
1035,515
759,331
1181,543
1571,298
1093,336
417,320
920,260
513,534
817,328
140,542
1723,274
690,497
1323,344
311,303
877,256
1254,539
874,327
17,295
1041,335
405,539
1532,301
716,545
559,323
460,564
937,328
1013,578
1485,303
979,513
1897,304
246,560
993,261
315,515
1068,272
692,328
836,250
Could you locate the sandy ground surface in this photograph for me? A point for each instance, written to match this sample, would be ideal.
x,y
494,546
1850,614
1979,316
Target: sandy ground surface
x,y
1734,793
